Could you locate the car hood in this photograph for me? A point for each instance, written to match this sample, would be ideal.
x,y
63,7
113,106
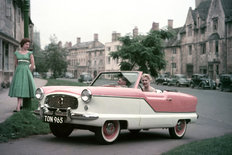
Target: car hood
x,y
183,80
103,91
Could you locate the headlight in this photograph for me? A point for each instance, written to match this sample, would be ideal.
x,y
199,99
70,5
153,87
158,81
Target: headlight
x,y
86,95
39,93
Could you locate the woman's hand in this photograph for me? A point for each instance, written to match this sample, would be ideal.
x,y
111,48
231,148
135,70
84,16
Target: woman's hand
x,y
32,67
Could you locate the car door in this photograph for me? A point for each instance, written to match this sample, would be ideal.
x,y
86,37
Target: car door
x,y
156,110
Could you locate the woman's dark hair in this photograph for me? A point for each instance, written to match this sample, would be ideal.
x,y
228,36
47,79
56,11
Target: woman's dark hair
x,y
23,41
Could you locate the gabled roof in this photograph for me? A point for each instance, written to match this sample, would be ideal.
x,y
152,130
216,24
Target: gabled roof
x,y
194,15
183,29
82,45
174,41
203,9
87,45
227,7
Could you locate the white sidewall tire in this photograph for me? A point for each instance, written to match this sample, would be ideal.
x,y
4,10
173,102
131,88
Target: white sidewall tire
x,y
179,130
108,133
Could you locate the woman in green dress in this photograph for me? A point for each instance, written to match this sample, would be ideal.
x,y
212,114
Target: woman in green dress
x,y
22,84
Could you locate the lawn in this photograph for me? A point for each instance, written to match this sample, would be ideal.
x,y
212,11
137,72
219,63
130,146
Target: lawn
x,y
213,146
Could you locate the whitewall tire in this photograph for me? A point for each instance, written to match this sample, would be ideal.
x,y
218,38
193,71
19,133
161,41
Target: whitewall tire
x,y
108,133
179,130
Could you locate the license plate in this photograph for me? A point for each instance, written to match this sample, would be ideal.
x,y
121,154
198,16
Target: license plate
x,y
54,119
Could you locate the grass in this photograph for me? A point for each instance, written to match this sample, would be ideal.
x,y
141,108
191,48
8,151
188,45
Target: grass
x,y
24,123
213,146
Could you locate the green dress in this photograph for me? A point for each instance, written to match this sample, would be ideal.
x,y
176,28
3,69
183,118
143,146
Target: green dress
x,y
22,84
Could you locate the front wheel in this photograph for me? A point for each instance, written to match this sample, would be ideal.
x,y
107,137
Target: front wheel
x,y
179,130
61,130
202,86
108,133
221,88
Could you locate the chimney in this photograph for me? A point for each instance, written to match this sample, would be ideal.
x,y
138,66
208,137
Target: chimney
x,y
170,23
60,44
135,32
68,44
155,26
95,37
115,36
78,40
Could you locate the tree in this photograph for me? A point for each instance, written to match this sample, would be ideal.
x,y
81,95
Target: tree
x,y
56,59
143,52
40,60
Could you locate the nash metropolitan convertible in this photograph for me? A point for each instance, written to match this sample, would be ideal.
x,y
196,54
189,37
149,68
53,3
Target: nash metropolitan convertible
x,y
105,108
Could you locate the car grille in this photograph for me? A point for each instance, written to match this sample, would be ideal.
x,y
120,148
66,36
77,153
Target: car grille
x,y
61,101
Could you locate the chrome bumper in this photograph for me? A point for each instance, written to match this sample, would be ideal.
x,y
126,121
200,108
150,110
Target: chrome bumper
x,y
64,112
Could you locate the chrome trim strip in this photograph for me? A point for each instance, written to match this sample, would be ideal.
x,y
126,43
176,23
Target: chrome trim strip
x,y
84,116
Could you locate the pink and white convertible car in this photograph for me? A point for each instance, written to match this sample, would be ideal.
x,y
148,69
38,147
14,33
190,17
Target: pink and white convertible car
x,y
106,108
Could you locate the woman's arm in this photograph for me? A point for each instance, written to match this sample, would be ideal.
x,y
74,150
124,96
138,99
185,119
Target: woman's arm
x,y
32,62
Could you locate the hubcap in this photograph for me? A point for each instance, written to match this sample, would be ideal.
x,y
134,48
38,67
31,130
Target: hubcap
x,y
180,127
110,129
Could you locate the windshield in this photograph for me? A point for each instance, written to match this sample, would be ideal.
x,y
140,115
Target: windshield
x,y
111,79
202,76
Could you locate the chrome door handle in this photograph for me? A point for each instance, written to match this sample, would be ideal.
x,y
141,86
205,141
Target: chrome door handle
x,y
169,99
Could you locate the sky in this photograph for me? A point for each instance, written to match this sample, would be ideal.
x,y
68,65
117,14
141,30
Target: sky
x,y
69,19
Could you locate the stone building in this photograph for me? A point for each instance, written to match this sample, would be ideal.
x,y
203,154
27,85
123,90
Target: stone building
x,y
110,63
36,38
204,43
12,18
86,57
114,64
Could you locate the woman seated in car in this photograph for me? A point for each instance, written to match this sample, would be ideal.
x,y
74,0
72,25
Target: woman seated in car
x,y
146,81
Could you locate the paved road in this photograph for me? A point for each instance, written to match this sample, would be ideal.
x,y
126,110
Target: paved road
x,y
8,104
215,120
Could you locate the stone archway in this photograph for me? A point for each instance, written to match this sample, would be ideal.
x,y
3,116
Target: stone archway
x,y
214,36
